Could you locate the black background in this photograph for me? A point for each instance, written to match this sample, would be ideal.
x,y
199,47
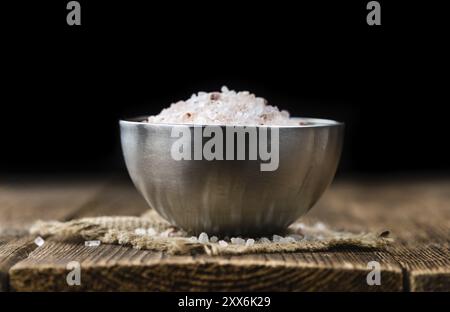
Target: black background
x,y
354,301
65,87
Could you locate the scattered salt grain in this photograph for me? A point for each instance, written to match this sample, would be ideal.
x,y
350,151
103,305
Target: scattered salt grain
x,y
296,237
250,242
320,226
165,233
289,239
193,239
122,238
237,241
92,243
225,107
39,241
264,240
213,239
151,232
223,243
203,238
140,231
276,238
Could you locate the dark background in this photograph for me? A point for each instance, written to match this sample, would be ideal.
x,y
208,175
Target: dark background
x,y
64,88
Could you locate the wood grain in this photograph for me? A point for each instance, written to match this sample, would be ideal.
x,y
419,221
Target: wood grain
x,y
118,197
23,202
426,268
416,212
115,268
12,250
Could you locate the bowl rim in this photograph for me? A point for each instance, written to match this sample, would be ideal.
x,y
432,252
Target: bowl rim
x,y
315,123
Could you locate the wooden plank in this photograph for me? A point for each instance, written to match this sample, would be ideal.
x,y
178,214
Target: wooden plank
x,y
22,202
416,212
124,195
232,273
426,268
12,250
118,197
115,268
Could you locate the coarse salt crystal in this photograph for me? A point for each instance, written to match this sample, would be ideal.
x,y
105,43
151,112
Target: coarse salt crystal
x,y
140,231
203,238
193,239
223,243
39,241
264,240
237,241
320,226
250,242
296,237
165,233
289,239
213,239
276,238
151,232
225,107
92,243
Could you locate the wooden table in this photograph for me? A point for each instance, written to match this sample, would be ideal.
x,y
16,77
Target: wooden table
x,y
417,212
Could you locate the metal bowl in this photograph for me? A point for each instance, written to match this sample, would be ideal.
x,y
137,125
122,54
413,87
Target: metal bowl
x,y
232,197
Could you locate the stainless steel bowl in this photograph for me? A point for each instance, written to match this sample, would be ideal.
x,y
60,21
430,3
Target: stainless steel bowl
x,y
232,197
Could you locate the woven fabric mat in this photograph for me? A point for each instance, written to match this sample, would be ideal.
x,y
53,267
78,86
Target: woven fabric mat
x,y
151,232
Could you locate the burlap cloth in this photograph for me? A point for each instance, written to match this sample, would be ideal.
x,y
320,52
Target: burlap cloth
x,y
164,237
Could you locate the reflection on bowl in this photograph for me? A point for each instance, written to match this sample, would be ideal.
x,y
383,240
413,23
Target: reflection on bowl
x,y
232,197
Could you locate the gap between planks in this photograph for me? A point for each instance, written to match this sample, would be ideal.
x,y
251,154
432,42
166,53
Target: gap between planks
x,y
116,268
423,273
